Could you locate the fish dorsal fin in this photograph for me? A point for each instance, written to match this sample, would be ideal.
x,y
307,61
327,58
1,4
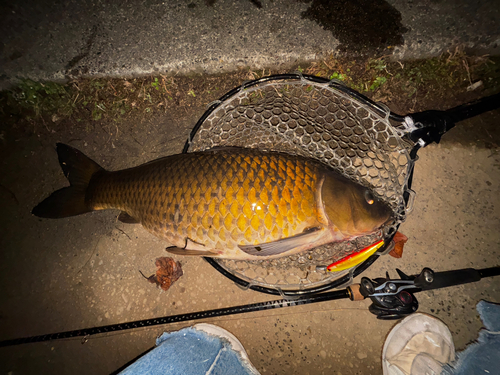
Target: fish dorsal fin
x,y
283,245
127,219
226,148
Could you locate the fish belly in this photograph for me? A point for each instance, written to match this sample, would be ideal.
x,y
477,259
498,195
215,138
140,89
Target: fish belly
x,y
217,199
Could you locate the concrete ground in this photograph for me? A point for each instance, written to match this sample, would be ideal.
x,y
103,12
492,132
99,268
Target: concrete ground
x,y
58,275
48,39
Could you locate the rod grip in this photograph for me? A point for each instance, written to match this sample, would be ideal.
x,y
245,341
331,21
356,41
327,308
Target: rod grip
x,y
437,280
355,293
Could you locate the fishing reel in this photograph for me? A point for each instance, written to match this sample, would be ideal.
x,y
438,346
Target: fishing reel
x,y
394,298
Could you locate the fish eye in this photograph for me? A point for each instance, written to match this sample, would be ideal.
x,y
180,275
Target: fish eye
x,y
370,199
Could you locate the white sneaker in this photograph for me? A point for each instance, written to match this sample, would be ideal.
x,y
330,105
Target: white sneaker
x,y
418,345
233,341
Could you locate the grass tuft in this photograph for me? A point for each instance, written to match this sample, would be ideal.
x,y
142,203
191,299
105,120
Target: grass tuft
x,y
410,84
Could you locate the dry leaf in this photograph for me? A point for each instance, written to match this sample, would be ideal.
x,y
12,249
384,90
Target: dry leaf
x,y
168,271
399,242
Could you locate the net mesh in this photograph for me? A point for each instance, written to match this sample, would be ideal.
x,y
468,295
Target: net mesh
x,y
324,121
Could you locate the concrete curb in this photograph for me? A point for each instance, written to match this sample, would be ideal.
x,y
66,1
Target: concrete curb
x,y
43,41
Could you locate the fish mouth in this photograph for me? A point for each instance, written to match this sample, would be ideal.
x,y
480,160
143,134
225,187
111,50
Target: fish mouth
x,y
367,228
387,222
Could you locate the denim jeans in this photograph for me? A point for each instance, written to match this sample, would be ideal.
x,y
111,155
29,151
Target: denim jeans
x,y
191,351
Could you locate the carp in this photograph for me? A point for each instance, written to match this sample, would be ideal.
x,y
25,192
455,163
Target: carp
x,y
232,203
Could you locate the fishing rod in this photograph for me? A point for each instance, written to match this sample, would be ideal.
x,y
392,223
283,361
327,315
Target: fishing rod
x,y
391,299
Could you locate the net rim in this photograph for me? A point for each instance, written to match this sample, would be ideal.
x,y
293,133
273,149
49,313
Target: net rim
x,y
344,279
334,84
341,281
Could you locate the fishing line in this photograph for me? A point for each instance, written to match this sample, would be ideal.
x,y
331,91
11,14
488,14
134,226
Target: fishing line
x,y
91,256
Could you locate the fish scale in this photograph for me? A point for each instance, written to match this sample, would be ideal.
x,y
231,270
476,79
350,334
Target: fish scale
x,y
220,199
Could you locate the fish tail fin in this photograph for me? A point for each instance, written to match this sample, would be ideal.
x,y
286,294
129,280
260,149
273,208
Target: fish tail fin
x,y
69,201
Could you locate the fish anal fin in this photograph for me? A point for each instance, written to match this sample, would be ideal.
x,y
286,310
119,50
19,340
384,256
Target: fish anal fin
x,y
192,248
192,245
127,219
179,251
277,247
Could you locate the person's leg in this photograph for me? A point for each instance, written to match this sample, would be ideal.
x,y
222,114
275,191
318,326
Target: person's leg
x,y
201,349
483,356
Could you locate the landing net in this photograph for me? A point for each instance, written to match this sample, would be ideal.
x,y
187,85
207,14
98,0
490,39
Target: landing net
x,y
324,120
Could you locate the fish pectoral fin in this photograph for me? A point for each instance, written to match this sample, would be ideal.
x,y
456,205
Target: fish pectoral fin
x,y
283,245
127,219
192,248
178,251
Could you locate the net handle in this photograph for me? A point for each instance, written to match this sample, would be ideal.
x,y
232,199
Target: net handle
x,y
430,126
